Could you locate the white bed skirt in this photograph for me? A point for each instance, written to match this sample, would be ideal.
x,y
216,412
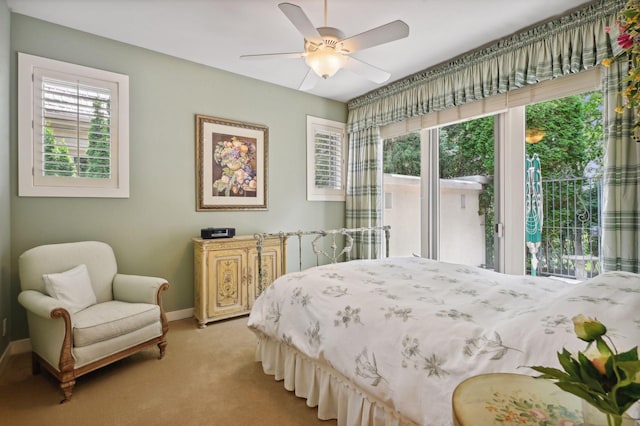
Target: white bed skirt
x,y
323,387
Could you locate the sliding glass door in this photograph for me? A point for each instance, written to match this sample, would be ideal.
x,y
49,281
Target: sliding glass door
x,y
472,192
402,183
466,207
467,202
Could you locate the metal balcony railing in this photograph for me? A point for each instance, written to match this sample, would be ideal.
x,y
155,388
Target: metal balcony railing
x,y
571,230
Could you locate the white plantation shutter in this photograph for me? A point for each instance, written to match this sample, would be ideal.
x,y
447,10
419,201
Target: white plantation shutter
x,y
72,130
325,160
328,159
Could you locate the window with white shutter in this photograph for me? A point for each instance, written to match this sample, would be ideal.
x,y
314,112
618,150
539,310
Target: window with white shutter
x,y
326,143
73,130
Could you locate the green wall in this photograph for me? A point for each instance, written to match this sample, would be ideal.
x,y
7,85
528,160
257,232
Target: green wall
x,y
5,220
151,231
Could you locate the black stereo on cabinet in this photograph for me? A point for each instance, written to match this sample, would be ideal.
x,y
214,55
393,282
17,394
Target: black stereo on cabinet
x,y
210,233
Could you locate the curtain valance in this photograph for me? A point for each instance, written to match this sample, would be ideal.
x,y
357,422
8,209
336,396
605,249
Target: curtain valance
x,y
569,44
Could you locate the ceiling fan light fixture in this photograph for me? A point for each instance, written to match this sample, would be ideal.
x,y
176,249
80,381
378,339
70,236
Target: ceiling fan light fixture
x,y
325,61
326,50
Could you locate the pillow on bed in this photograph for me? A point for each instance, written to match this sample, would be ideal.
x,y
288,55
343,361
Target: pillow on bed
x,y
72,287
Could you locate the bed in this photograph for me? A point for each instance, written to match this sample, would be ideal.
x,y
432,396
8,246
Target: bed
x,y
385,342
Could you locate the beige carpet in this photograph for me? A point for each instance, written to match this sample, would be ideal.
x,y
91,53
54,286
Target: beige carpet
x,y
207,377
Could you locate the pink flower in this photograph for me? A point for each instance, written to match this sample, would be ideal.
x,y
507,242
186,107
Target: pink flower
x,y
598,359
539,414
607,29
599,364
625,40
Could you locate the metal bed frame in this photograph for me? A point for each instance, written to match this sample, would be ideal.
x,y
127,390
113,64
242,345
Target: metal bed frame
x,y
333,255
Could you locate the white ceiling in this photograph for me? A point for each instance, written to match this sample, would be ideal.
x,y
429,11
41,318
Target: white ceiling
x,y
217,32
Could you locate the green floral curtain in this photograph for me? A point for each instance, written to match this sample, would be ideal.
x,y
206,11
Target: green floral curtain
x,y
364,191
621,206
569,44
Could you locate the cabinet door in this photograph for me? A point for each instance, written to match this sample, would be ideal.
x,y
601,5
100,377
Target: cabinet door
x,y
271,269
227,282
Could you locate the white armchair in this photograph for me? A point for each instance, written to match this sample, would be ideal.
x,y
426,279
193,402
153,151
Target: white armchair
x,y
81,319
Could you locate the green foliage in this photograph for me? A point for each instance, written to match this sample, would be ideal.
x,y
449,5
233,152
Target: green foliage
x,y
466,149
57,161
573,134
612,392
606,379
402,155
97,164
573,137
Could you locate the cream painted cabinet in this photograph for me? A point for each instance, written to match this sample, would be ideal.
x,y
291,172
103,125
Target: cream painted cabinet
x,y
226,277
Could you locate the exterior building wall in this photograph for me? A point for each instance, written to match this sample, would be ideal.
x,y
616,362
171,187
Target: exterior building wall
x,y
461,228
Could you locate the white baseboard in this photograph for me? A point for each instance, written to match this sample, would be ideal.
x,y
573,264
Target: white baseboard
x,y
14,347
24,345
181,314
20,346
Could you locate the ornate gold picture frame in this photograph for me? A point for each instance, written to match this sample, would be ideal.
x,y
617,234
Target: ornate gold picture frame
x,y
231,164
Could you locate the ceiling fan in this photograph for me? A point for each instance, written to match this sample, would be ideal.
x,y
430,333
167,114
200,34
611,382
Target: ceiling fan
x,y
326,50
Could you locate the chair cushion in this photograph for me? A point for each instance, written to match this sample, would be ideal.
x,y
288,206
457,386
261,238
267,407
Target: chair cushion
x,y
107,320
73,288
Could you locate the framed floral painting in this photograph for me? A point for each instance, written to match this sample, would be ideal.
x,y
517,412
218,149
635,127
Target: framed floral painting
x,y
231,163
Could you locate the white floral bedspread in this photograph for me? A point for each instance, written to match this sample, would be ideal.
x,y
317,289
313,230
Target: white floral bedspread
x,y
408,330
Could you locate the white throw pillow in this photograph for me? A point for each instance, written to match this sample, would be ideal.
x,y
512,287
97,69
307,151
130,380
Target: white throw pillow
x,y
72,287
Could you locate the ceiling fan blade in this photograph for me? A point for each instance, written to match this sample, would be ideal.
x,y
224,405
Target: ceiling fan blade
x,y
383,34
309,81
300,20
292,55
367,71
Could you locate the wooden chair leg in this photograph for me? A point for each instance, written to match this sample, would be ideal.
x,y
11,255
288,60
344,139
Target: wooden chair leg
x,y
162,346
67,390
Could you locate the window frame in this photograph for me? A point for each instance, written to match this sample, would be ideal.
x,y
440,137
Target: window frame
x,y
509,109
324,194
29,141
